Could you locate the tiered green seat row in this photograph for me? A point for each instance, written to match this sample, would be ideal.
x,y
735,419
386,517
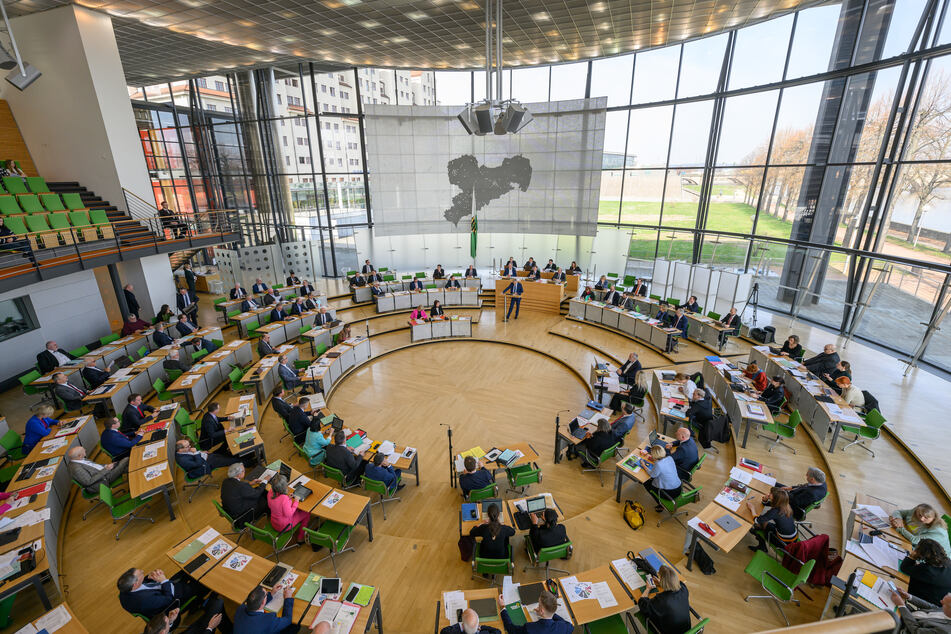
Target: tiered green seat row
x,y
37,203
18,185
50,229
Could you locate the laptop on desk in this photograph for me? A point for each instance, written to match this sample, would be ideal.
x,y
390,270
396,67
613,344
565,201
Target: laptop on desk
x,y
577,430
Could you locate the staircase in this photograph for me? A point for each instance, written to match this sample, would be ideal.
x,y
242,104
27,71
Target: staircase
x,y
178,259
129,231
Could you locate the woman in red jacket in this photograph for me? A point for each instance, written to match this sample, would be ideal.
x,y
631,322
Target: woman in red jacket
x,y
752,372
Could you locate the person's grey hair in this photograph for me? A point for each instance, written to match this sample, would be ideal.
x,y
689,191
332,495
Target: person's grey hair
x,y
816,474
74,452
279,484
236,470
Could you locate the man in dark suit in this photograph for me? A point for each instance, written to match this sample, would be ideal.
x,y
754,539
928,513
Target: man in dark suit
x,y
52,357
94,376
210,620
612,297
298,421
174,361
259,287
367,267
535,275
293,280
640,288
692,305
198,463
341,457
212,431
416,285
252,618
663,315
323,317
130,301
187,302
824,362
151,594
264,346
310,304
160,338
452,282
306,288
238,292
731,319
358,280
551,266
471,271
288,375
114,442
559,275
438,272
515,289
190,278
282,407
277,313
135,414
374,277
297,306
240,500
679,322
184,326
377,290
546,621
529,264
700,411
272,297
802,496
684,451
248,305
69,394
510,270
469,623
627,373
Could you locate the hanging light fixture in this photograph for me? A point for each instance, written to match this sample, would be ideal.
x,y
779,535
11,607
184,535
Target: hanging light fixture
x,y
493,115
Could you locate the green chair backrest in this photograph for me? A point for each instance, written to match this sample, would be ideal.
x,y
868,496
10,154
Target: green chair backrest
x,y
98,217
198,354
526,477
430,286
232,313
235,375
222,512
333,474
79,218
73,201
874,418
80,351
59,221
30,204
182,417
52,202
173,375
144,350
220,300
383,269
696,467
304,329
696,629
37,223
407,277
389,278
629,280
14,185
484,493
374,486
36,184
108,339
607,453
351,273
159,386
713,315
11,441
16,224
795,418
105,494
320,348
320,539
655,297
419,275
614,275
554,552
29,377
673,301
9,205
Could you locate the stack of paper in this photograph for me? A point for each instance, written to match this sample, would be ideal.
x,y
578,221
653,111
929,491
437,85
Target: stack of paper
x,y
740,475
628,573
453,601
730,498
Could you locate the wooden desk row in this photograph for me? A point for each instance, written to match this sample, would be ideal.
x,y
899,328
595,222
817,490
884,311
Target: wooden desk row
x,y
362,294
440,327
670,403
280,332
405,300
572,282
700,328
743,409
324,372
587,418
152,462
633,323
203,378
229,304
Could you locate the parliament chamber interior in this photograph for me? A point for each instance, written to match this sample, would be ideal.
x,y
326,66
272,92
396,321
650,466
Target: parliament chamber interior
x,y
458,317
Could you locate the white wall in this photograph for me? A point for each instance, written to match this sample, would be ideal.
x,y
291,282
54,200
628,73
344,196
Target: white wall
x,y
70,312
76,118
152,282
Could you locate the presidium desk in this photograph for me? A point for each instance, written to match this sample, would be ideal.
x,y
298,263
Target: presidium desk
x,y
542,296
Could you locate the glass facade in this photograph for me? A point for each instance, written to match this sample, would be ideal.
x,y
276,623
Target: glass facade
x,y
813,150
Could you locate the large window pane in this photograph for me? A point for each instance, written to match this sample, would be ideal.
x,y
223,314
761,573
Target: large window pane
x,y
611,77
778,205
643,244
747,122
919,220
615,133
691,133
795,125
655,75
643,194
911,288
453,88
649,135
931,136
812,45
568,81
733,199
905,17
760,53
860,129
682,198
702,63
530,85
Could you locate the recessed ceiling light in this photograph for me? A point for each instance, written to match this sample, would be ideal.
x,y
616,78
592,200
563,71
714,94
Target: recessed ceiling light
x,y
350,3
552,33
369,24
541,16
462,47
469,6
328,32
417,15
598,7
399,39
247,23
604,26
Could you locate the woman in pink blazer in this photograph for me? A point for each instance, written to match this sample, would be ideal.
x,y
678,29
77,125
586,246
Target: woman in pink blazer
x,y
419,313
284,511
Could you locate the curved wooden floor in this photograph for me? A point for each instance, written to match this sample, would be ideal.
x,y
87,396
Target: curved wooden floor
x,y
488,393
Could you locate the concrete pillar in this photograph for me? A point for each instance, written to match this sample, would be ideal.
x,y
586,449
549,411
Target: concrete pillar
x,y
77,119
152,282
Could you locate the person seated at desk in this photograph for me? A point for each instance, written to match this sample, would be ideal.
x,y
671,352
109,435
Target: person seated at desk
x,y
691,305
559,276
272,298
475,477
602,284
921,522
209,621
357,281
252,618
842,368
419,314
323,317
241,500
160,338
684,452
374,277
165,314
151,594
297,306
249,304
311,304
438,272
289,376
824,362
376,290
471,272
69,394
731,320
198,463
238,292
551,266
926,618
469,624
774,395
663,472
436,310
367,267
680,322
281,406
757,376
132,325
573,268
202,343
292,280
640,288
344,333
284,511
174,360
623,423
38,426
635,392
494,535
802,496
666,604
260,287
546,621
591,448
700,410
341,457
534,275
416,285
277,313
510,270
212,431
184,326
299,422
627,373
315,443
452,282
378,469
529,264
135,414
93,376
306,288
776,521
264,345
929,571
849,393
687,385
792,349
663,316
90,474
587,294
547,532
612,297
116,444
53,358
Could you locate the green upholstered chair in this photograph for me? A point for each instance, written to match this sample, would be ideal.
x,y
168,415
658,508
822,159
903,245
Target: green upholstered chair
x,y
485,566
105,341
12,443
673,506
73,201
279,541
333,536
52,202
32,390
523,476
785,430
337,476
30,203
485,493
9,205
386,495
606,455
777,581
14,185
544,556
160,391
236,385
37,185
869,431
123,507
241,530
